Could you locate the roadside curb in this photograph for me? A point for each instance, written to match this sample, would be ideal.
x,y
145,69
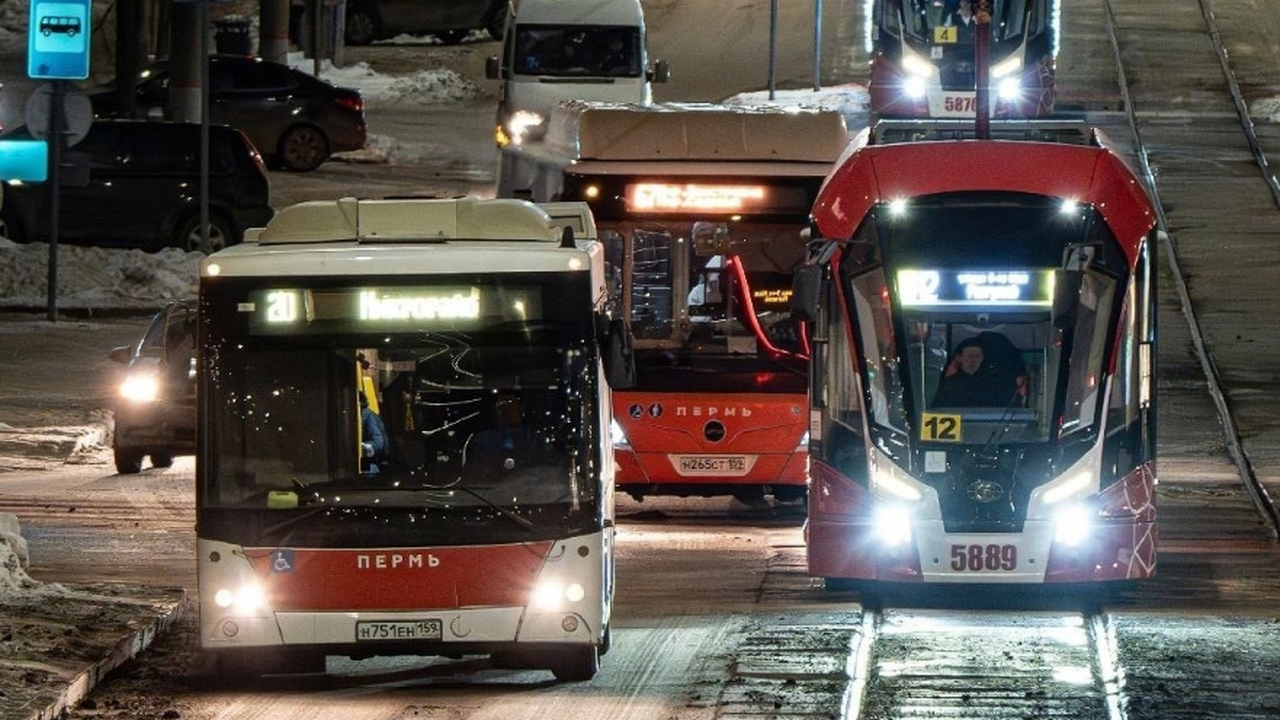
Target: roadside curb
x,y
79,687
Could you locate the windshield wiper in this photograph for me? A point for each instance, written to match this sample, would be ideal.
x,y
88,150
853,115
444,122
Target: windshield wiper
x,y
505,512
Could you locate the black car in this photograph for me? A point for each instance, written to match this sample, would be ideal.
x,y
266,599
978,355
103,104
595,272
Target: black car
x,y
449,20
155,409
132,183
295,120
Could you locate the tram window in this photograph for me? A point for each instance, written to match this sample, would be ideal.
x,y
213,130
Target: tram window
x,y
1088,345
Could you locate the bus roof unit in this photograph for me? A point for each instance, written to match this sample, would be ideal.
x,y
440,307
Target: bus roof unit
x,y
696,131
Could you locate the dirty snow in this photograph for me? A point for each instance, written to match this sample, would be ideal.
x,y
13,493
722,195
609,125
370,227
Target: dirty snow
x,y
95,279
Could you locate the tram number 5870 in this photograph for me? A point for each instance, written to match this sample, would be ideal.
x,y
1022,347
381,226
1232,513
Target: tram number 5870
x,y
977,558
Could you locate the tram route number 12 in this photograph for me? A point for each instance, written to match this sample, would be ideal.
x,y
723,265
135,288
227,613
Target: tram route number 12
x,y
977,558
940,428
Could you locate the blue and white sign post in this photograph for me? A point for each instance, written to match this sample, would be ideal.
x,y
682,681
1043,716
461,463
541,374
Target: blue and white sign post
x,y
57,49
58,40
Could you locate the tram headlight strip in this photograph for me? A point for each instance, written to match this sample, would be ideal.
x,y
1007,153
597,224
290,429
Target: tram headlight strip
x,y
1006,67
1066,489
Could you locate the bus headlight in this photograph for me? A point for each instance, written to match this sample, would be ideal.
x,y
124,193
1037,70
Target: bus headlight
x,y
892,525
140,387
552,594
616,434
248,599
1072,525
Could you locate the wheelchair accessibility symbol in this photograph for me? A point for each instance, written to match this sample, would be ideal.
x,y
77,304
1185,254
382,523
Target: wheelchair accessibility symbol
x,y
282,561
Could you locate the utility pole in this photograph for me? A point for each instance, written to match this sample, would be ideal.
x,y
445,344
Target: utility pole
x,y
982,72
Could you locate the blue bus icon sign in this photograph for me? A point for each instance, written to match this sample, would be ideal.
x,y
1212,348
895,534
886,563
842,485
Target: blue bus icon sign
x,y
58,40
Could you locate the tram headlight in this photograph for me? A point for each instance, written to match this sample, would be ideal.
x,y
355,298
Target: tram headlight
x,y
884,482
914,87
916,65
552,594
140,387
892,525
248,599
1010,89
616,434
1067,488
1072,525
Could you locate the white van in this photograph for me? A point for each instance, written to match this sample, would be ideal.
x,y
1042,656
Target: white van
x,y
556,50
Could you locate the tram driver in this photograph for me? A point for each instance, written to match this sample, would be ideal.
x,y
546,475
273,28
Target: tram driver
x,y
985,371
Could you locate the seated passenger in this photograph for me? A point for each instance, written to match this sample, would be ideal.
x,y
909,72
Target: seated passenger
x,y
985,371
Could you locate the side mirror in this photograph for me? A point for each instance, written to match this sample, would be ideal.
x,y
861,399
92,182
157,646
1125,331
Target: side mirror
x,y
806,292
122,354
492,67
661,71
619,356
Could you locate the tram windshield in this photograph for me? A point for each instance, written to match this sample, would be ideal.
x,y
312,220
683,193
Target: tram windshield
x,y
436,393
951,22
986,323
709,303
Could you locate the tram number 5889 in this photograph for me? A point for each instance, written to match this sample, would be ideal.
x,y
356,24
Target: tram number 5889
x,y
977,558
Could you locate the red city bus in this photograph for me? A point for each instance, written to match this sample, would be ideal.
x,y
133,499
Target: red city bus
x,y
703,210
984,336
403,437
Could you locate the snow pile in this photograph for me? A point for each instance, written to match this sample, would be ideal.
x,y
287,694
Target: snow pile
x,y
13,558
853,102
1265,109
96,278
424,87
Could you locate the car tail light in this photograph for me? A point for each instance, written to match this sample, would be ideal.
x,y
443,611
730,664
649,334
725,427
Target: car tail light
x,y
253,152
353,102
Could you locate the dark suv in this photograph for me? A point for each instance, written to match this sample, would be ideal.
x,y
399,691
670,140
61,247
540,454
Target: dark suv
x,y
142,189
155,409
295,120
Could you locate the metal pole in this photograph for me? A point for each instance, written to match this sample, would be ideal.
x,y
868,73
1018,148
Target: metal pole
x,y
204,128
817,45
56,124
773,48
982,71
317,35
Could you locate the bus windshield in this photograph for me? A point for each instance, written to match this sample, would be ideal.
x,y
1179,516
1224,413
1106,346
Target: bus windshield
x,y
578,50
975,348
711,297
460,393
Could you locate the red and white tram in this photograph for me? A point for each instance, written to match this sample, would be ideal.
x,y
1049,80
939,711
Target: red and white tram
x,y
984,333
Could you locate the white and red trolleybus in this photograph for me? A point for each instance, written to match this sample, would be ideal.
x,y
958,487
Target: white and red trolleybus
x,y
984,327
703,209
922,57
477,516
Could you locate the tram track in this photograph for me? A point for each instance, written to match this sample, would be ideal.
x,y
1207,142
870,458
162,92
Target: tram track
x,y
1256,489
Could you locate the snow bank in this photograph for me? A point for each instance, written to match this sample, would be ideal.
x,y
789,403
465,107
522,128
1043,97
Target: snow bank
x,y
13,558
424,87
853,102
96,278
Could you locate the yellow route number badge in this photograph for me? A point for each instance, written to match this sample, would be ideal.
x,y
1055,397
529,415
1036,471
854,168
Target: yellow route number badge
x,y
946,35
937,427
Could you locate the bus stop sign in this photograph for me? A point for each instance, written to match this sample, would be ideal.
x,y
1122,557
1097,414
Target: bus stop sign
x,y
58,39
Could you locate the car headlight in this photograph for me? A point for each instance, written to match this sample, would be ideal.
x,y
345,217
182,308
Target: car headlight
x,y
140,387
522,124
